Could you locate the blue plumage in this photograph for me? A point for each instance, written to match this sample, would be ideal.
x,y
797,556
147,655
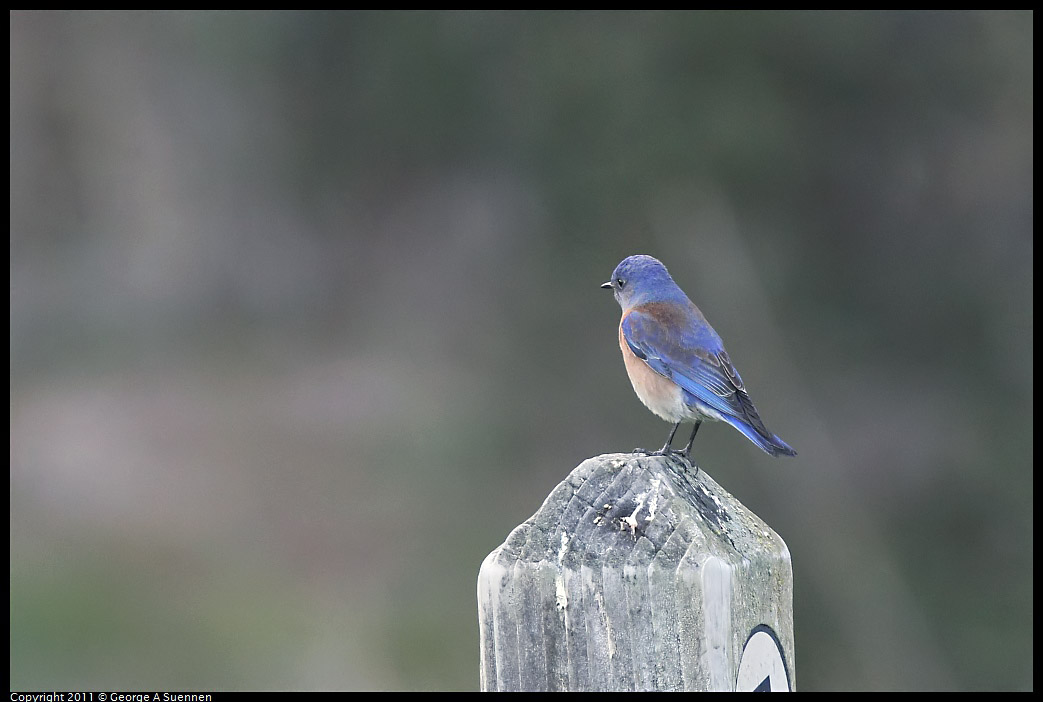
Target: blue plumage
x,y
666,333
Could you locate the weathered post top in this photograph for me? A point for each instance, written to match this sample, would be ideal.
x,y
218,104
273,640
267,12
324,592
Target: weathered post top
x,y
637,573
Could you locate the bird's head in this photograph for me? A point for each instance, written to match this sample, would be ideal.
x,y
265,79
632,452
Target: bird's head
x,y
641,279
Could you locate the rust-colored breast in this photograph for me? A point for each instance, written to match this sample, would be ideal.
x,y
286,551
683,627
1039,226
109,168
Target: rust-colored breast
x,y
659,394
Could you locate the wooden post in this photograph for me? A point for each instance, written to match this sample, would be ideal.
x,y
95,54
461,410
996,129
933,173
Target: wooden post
x,y
637,573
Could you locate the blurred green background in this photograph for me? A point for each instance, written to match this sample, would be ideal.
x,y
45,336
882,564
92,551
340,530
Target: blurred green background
x,y
305,319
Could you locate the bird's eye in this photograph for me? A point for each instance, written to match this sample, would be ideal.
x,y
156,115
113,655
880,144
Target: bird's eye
x,y
620,282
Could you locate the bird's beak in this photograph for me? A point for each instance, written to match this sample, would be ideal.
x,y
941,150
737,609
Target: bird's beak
x,y
607,285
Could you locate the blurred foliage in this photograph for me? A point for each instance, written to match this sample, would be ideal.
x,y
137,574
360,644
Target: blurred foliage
x,y
305,318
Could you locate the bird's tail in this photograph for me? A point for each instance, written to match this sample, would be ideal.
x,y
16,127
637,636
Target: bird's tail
x,y
766,441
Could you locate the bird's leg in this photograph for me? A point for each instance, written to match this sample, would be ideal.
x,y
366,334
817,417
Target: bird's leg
x,y
691,440
665,451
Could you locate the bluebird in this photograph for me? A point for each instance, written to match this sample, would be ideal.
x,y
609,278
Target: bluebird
x,y
675,360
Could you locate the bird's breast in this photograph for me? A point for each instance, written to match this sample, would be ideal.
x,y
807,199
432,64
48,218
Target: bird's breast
x,y
661,395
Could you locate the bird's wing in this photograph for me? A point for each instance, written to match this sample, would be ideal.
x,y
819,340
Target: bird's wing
x,y
686,350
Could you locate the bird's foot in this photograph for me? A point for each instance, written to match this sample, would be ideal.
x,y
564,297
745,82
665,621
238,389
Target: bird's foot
x,y
671,454
658,452
685,460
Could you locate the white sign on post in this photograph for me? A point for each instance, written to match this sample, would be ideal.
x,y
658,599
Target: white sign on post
x,y
762,667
